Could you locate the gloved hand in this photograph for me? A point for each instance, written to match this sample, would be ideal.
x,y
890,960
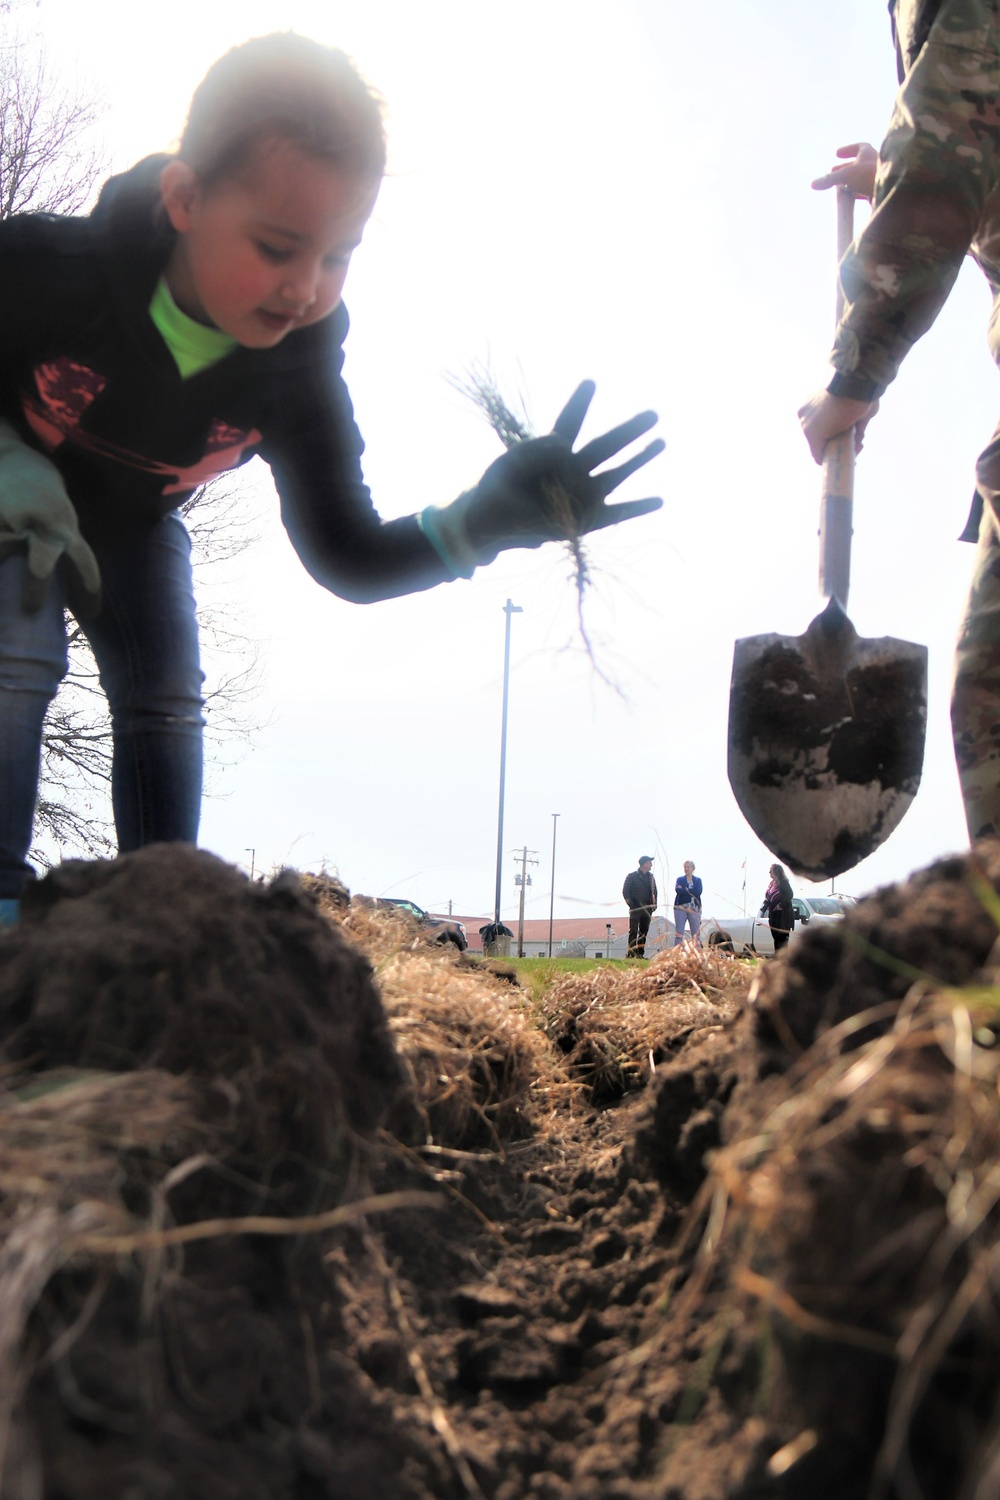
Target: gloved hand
x,y
541,491
37,516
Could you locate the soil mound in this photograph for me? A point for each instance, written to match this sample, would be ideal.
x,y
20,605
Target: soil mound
x,y
179,1044
169,958
937,927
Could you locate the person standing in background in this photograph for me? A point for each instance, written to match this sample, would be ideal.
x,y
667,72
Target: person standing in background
x,y
640,896
778,908
687,904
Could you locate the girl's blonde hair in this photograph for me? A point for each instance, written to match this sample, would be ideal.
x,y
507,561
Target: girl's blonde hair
x,y
289,88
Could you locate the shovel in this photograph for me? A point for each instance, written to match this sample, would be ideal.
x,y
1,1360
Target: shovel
x,y
826,730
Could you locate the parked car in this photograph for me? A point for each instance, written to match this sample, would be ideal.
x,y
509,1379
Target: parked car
x,y
753,934
445,929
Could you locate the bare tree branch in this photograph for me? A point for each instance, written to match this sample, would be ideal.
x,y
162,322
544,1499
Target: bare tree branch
x,y
49,159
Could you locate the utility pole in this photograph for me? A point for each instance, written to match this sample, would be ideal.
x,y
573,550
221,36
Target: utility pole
x,y
508,609
608,926
523,880
552,893
253,859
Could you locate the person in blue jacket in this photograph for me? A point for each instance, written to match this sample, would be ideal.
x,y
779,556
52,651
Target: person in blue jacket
x,y
192,321
687,904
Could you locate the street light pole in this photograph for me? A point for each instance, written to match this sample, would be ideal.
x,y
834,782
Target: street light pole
x,y
552,893
508,609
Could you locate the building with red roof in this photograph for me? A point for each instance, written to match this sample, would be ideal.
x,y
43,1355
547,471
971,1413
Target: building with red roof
x,y
573,937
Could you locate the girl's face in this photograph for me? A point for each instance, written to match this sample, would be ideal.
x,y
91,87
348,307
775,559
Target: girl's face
x,y
266,251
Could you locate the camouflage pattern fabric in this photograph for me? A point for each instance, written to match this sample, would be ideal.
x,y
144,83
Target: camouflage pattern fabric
x,y
936,194
937,198
975,704
911,24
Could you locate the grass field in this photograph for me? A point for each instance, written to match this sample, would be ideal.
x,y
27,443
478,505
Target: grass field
x,y
539,973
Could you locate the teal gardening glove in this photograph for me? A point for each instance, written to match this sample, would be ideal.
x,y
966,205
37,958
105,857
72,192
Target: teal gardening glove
x,y
541,491
37,516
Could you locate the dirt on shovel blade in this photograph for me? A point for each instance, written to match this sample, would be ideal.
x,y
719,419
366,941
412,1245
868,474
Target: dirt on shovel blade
x,y
825,766
705,1229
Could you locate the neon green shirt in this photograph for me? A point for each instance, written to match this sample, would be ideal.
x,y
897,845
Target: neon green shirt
x,y
193,346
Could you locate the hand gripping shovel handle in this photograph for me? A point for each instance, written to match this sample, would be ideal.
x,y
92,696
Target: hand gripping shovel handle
x,y
837,500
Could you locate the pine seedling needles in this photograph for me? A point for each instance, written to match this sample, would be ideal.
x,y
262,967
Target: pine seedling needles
x,y
479,385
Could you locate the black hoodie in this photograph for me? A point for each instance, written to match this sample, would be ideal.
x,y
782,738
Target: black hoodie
x,y
86,377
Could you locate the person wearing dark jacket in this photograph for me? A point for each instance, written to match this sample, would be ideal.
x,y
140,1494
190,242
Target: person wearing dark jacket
x,y
778,908
640,896
193,321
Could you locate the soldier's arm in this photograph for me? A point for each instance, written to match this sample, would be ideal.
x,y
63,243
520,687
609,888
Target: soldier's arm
x,y
855,171
937,166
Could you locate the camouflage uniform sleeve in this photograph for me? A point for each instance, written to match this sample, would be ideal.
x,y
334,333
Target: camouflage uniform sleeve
x,y
938,165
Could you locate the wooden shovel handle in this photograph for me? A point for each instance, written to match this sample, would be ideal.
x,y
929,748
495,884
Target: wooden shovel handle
x,y
837,495
845,236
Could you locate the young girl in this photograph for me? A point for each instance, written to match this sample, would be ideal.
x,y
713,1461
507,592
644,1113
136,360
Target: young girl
x,y
192,321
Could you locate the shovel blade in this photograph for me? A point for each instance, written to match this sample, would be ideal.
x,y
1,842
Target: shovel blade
x,y
826,740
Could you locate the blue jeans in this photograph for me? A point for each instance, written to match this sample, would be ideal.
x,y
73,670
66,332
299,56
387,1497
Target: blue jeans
x,y
690,915
145,642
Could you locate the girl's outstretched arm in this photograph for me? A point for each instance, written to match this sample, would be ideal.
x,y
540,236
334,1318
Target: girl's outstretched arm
x,y
540,490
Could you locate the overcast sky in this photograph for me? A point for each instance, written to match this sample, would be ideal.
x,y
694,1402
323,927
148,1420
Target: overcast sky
x,y
579,189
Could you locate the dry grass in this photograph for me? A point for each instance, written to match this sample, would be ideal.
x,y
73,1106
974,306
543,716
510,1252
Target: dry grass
x,y
479,1068
63,1146
480,1072
613,1025
63,1133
